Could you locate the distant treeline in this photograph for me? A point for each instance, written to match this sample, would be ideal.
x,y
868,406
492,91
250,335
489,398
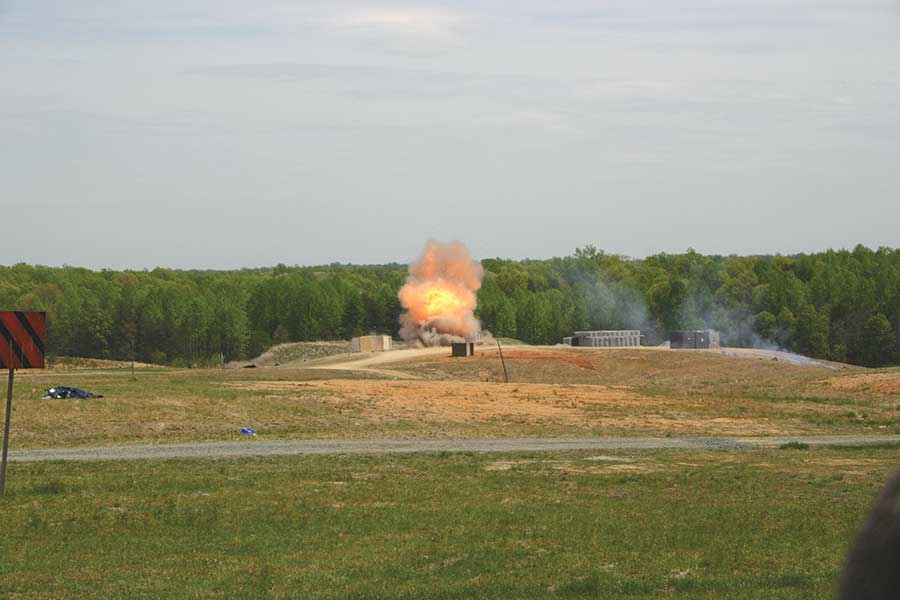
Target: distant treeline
x,y
838,305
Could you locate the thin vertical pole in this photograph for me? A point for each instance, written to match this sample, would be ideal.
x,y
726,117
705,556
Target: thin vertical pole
x,y
6,433
505,374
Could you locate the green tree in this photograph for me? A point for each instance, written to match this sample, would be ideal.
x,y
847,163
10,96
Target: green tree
x,y
877,346
812,332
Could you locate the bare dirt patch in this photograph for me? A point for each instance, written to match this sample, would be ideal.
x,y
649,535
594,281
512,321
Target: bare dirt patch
x,y
844,462
506,465
465,401
580,360
611,408
575,467
618,366
882,383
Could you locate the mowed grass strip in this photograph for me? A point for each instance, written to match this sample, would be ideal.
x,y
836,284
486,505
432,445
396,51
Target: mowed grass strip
x,y
752,524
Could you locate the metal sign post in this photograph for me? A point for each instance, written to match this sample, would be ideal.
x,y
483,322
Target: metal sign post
x,y
6,433
22,336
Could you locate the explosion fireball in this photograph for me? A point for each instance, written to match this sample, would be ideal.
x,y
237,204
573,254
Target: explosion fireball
x,y
439,296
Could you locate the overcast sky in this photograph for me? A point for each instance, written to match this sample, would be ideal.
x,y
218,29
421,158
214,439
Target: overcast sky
x,y
216,134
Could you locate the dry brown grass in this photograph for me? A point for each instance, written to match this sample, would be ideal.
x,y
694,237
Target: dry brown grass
x,y
881,383
554,466
465,401
445,408
74,362
626,366
555,392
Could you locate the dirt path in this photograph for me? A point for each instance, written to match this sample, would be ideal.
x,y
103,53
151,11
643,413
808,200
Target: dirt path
x,y
256,447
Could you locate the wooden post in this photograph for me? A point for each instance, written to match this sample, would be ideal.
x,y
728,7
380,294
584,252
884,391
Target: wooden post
x,y
505,374
6,433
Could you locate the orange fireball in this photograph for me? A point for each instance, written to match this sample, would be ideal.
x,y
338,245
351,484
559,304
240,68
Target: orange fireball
x,y
442,300
427,300
440,295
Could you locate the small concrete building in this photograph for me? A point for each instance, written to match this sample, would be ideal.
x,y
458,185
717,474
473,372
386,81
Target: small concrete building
x,y
696,339
627,338
462,349
371,343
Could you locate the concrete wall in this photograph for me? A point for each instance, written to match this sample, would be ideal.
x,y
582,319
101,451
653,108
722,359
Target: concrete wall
x,y
628,338
371,343
696,339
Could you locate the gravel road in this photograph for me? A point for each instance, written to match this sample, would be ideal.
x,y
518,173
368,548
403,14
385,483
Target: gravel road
x,y
257,447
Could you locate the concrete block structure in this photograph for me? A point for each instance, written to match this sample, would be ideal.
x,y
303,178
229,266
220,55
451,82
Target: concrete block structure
x,y
462,349
628,338
371,343
696,339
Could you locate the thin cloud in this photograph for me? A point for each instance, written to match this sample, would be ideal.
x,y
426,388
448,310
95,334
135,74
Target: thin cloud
x,y
431,23
535,119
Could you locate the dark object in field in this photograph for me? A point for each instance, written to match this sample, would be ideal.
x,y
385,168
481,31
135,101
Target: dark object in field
x,y
250,366
873,568
462,349
700,338
63,392
248,431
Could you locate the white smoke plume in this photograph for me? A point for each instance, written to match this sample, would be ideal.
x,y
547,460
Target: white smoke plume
x,y
439,296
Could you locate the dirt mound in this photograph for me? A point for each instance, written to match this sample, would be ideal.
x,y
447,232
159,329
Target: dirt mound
x,y
75,362
296,352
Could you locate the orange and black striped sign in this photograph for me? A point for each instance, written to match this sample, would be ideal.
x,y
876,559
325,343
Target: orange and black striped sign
x,y
22,336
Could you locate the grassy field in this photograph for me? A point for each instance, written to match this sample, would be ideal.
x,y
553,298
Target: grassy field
x,y
637,524
554,392
681,524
